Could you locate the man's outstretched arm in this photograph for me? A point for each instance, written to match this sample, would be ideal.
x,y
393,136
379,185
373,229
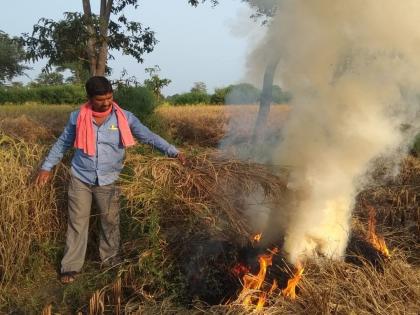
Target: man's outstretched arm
x,y
63,143
144,135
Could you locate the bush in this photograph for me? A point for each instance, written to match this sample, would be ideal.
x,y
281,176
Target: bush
x,y
243,93
138,100
416,145
189,98
219,96
280,96
52,94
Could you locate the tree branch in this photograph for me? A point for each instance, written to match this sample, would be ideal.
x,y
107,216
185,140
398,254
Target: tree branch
x,y
102,9
86,8
108,10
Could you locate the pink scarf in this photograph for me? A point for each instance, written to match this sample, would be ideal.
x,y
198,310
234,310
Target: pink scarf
x,y
85,137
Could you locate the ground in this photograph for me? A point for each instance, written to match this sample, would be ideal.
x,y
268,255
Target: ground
x,y
181,232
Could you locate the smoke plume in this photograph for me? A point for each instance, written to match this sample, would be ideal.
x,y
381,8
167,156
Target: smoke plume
x,y
353,69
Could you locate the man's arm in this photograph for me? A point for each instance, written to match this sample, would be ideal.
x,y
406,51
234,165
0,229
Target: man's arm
x,y
63,143
144,135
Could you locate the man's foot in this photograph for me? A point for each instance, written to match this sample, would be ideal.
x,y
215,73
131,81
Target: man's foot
x,y
68,277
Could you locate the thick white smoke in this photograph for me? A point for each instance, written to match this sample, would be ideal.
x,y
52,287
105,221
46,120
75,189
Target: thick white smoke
x,y
353,69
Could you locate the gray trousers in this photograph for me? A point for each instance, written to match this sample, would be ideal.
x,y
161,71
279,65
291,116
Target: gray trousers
x,y
79,207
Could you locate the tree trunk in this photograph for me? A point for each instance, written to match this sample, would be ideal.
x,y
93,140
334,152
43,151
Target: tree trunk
x,y
91,44
97,47
105,13
265,101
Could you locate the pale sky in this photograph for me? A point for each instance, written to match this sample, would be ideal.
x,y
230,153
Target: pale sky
x,y
195,44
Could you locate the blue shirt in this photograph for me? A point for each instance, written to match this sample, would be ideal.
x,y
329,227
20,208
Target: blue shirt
x,y
105,166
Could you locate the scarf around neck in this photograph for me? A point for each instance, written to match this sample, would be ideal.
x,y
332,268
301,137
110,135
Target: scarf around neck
x,y
85,137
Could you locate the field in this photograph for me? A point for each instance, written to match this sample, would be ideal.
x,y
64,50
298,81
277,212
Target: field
x,y
183,230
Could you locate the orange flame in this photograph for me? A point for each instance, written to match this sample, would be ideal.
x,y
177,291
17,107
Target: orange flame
x,y
255,282
256,238
290,290
378,242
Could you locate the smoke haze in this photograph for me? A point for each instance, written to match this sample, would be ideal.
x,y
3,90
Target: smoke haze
x,y
353,69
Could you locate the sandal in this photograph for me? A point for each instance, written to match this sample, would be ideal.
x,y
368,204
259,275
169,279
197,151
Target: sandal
x,y
68,277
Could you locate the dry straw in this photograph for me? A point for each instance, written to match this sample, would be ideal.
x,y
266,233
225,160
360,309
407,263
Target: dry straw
x,y
28,215
209,188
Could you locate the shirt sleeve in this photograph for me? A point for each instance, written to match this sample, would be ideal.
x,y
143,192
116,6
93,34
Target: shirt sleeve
x,y
63,143
144,135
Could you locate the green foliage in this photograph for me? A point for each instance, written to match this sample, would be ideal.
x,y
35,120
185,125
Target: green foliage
x,y
138,100
416,145
279,96
52,94
79,72
11,57
199,87
196,2
61,42
245,93
189,98
66,42
219,95
50,78
155,83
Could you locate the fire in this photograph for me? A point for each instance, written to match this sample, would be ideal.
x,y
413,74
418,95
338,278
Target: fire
x,y
290,290
377,241
253,283
256,238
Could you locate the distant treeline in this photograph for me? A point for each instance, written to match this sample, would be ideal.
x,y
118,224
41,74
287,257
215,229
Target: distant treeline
x,y
243,93
44,94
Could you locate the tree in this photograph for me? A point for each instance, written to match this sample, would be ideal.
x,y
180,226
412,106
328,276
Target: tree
x,y
79,73
242,93
265,9
50,78
155,83
88,38
265,100
199,87
11,57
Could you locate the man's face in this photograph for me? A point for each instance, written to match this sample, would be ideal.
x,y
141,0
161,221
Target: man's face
x,y
101,103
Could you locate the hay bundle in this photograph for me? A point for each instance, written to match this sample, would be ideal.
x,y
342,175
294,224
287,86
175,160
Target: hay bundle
x,y
396,199
207,192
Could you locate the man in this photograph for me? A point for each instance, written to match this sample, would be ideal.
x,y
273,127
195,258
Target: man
x,y
100,130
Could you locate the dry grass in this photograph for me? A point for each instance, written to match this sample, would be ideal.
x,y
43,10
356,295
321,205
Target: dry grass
x,y
166,206
329,287
209,188
45,119
28,215
206,125
23,127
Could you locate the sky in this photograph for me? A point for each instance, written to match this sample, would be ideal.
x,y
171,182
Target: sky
x,y
206,43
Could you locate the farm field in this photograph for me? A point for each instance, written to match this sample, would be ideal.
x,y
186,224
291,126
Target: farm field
x,y
183,229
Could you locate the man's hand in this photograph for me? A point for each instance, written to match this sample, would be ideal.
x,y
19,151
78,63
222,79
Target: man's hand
x,y
42,178
181,158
